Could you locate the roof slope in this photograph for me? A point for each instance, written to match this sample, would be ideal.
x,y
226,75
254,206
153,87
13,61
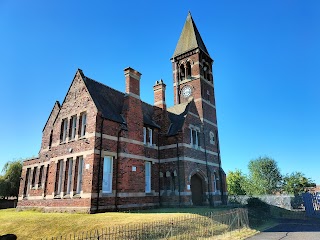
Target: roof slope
x,y
189,39
177,115
110,102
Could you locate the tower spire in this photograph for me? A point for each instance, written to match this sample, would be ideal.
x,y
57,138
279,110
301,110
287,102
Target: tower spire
x,y
190,38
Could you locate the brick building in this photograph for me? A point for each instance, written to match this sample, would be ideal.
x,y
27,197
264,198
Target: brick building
x,y
107,150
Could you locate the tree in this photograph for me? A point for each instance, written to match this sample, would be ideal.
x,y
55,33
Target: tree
x,y
296,183
235,181
264,176
10,181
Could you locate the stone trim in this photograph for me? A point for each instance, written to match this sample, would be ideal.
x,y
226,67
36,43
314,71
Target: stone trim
x,y
189,160
63,157
132,95
207,121
205,101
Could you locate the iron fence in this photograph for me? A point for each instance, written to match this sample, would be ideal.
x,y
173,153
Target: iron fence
x,y
191,226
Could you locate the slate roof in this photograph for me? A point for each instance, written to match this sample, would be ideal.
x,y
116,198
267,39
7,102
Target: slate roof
x,y
177,115
110,102
190,38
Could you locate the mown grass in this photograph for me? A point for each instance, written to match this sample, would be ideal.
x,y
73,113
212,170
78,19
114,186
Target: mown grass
x,y
35,224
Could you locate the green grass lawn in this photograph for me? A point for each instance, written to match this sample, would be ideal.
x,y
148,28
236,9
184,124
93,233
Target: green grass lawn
x,y
35,225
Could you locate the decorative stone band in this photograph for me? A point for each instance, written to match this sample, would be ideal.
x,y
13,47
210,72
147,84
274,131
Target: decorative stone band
x,y
133,95
205,101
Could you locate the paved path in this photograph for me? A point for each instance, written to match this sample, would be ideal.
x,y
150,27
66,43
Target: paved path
x,y
291,229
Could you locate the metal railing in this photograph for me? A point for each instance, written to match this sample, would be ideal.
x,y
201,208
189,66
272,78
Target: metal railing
x,y
191,226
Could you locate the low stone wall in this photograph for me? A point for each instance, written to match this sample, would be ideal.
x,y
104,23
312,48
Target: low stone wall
x,y
283,201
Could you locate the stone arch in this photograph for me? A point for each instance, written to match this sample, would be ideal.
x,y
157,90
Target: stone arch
x,y
200,172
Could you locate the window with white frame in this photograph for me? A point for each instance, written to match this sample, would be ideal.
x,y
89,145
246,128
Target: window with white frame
x,y
144,135
83,125
59,177
73,127
64,129
148,176
79,174
194,137
147,136
150,136
69,178
212,137
40,176
107,174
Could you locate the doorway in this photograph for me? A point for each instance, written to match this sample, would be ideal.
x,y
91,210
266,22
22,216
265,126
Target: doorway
x,y
196,190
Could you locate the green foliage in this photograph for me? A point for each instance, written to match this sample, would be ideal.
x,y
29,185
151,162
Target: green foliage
x,y
235,182
10,181
296,183
264,177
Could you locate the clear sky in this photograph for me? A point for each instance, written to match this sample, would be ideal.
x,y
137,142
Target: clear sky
x,y
267,68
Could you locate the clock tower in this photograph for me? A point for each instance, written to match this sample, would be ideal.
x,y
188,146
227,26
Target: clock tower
x,y
192,72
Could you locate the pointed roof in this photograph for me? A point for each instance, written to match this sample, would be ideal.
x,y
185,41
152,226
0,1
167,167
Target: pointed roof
x,y
110,102
190,38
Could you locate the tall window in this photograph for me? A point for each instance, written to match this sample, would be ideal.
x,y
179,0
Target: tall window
x,y
79,174
83,119
107,175
188,70
182,72
144,135
147,136
33,183
148,176
40,176
69,179
63,132
73,127
194,137
59,177
27,182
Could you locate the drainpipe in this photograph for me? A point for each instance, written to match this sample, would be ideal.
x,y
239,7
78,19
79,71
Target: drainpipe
x,y
159,168
207,167
220,169
178,162
117,168
99,168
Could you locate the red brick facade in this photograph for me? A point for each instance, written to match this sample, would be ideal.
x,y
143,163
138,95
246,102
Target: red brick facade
x,y
105,150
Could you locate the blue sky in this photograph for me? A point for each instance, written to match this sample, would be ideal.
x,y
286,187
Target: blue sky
x,y
267,62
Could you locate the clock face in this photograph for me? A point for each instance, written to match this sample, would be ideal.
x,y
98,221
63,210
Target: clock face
x,y
186,91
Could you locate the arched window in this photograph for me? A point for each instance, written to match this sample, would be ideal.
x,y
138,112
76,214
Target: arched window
x,y
182,72
205,71
188,66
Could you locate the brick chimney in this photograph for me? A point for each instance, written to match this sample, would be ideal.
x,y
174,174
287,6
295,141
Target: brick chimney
x,y
132,82
132,106
159,94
